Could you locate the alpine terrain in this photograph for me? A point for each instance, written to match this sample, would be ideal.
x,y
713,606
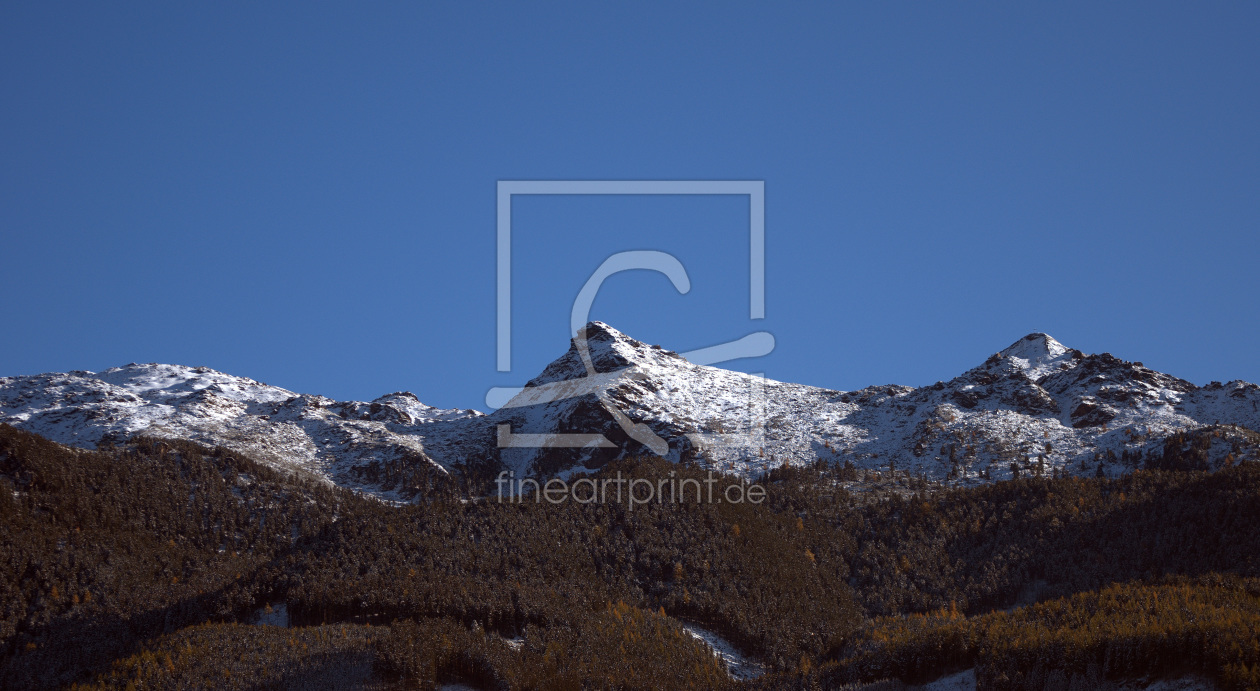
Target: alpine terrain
x,y
1036,407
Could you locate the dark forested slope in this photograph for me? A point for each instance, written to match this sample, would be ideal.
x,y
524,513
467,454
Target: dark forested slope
x,y
147,562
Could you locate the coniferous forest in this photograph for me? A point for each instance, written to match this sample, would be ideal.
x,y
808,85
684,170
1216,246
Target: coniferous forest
x,y
156,563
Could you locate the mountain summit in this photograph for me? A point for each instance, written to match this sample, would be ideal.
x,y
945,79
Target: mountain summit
x,y
1038,354
1036,406
609,350
1035,346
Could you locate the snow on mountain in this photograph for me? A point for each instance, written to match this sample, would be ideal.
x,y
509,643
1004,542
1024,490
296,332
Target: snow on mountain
x,y
311,435
1037,404
1035,407
1037,354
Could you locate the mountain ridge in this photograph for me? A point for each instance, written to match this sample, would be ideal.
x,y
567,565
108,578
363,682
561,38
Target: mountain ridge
x,y
1037,406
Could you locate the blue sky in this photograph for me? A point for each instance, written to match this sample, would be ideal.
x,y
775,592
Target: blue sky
x,y
305,193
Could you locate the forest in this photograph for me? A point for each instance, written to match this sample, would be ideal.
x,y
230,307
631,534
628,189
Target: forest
x,y
148,564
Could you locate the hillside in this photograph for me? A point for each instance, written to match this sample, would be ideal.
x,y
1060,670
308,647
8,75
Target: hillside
x,y
159,564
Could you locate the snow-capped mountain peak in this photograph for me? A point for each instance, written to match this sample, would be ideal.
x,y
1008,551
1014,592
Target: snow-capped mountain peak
x,y
1038,354
608,350
1035,346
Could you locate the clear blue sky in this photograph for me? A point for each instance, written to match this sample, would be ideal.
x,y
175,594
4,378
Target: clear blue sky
x,y
304,193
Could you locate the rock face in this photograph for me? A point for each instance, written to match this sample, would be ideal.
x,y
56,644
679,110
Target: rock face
x,y
1035,407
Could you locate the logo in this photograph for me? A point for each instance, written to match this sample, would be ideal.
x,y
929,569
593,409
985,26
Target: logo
x,y
755,344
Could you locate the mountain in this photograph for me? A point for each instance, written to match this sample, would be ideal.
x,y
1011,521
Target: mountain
x,y
1037,406
350,443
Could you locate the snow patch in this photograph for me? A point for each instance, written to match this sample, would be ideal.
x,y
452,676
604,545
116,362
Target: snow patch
x,y
737,665
962,681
